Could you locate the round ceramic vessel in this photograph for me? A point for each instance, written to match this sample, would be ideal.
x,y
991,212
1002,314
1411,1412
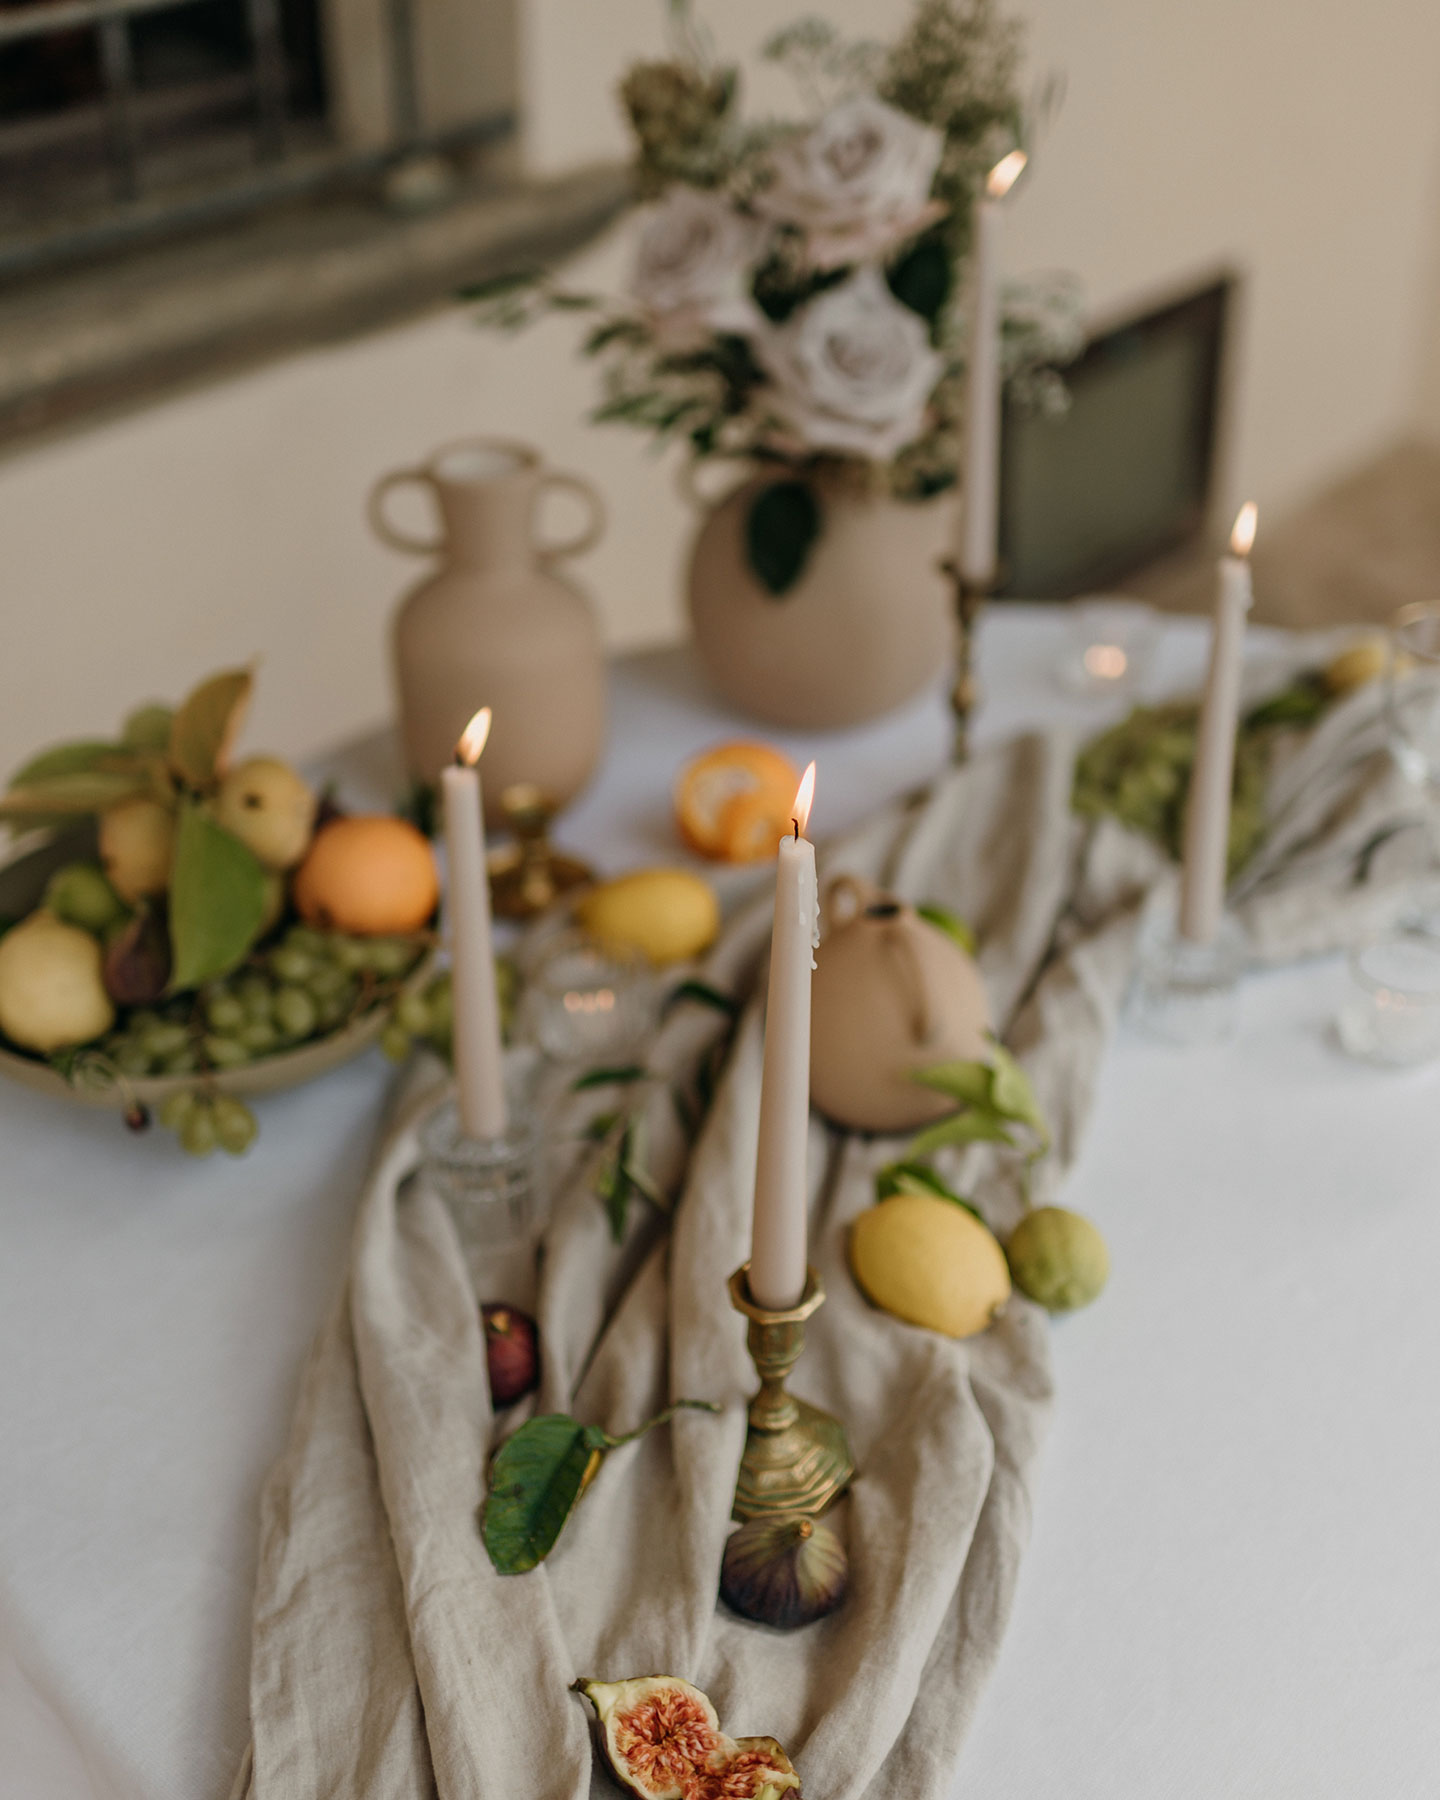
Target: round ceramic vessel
x,y
866,626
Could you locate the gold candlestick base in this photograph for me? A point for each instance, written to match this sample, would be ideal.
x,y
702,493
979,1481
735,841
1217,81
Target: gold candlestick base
x,y
529,875
796,1459
970,596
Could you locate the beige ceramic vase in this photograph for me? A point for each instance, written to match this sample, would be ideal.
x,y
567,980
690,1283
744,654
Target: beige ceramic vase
x,y
866,626
497,625
891,994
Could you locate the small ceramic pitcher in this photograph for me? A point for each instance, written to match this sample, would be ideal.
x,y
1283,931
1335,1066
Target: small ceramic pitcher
x,y
496,625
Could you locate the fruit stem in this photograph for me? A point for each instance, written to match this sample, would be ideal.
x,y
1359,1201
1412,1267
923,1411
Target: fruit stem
x,y
661,1418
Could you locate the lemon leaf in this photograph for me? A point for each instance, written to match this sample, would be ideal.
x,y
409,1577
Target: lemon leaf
x,y
971,1083
974,1126
950,923
217,899
917,1178
77,792
205,726
1012,1095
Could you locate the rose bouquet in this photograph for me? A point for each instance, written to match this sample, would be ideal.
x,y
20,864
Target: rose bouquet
x,y
797,292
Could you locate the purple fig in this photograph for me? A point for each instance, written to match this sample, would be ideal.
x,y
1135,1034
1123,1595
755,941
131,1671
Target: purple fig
x,y
137,963
512,1353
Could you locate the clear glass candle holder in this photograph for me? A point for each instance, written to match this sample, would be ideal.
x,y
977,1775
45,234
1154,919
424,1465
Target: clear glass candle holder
x,y
585,1003
1109,648
1183,992
491,1186
1391,1013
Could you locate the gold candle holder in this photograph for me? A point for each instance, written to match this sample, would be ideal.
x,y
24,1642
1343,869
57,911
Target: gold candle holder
x,y
970,596
528,876
796,1459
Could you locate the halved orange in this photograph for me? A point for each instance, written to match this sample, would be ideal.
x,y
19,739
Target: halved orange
x,y
709,794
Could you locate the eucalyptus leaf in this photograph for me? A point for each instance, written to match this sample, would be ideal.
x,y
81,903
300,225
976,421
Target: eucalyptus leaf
x,y
205,727
783,523
217,899
974,1126
538,1475
950,923
609,1077
83,791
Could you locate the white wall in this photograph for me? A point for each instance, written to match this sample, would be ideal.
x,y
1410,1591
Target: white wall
x,y
1298,137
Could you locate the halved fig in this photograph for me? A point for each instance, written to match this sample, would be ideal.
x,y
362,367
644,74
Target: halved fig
x,y
747,1769
658,1733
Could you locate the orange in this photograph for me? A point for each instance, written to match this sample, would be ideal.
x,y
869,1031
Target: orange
x,y
712,786
370,875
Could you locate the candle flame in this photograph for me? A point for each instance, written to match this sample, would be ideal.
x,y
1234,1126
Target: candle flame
x,y
472,739
1243,536
1005,174
804,800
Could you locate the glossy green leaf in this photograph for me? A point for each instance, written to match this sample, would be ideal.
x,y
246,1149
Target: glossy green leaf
x,y
217,899
783,523
538,1475
950,923
535,1480
205,727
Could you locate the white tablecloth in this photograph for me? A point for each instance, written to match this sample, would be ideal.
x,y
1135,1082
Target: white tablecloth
x,y
1234,1585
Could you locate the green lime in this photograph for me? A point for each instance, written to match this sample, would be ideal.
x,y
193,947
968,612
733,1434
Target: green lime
x,y
1058,1258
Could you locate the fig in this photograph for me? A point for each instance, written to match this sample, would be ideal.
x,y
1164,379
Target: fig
x,y
662,1740
137,962
512,1353
657,1732
784,1572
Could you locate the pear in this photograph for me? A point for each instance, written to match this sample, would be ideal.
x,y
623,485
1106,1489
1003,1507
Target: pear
x,y
51,992
264,803
137,847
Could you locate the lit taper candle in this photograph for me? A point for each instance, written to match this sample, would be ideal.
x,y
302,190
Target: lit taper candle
x,y
479,1071
1207,813
980,468
778,1247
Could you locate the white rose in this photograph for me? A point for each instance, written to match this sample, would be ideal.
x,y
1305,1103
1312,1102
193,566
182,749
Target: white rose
x,y
858,183
853,369
693,264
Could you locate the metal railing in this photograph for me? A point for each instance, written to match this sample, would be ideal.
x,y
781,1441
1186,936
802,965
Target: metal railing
x,y
280,168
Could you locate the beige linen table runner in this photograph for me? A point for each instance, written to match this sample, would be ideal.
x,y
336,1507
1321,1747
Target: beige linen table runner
x,y
390,1661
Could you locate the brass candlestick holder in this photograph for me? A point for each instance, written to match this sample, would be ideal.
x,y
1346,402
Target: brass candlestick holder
x,y
529,875
970,596
796,1459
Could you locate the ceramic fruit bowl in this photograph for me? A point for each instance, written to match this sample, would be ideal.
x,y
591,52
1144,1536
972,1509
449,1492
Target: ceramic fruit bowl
x,y
93,1080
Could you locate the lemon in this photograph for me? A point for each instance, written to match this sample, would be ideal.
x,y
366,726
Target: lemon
x,y
1364,660
51,992
666,914
1058,1258
929,1261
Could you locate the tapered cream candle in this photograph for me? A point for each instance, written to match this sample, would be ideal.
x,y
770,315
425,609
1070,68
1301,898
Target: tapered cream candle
x,y
980,467
778,1246
479,1071
1207,813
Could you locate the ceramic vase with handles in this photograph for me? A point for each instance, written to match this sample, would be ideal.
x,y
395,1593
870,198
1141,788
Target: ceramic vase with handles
x,y
496,624
866,627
